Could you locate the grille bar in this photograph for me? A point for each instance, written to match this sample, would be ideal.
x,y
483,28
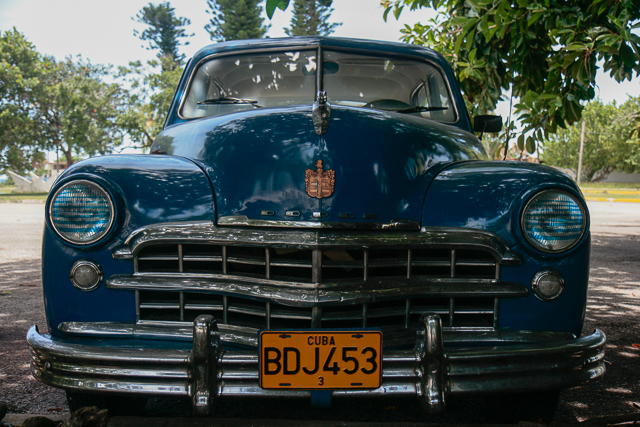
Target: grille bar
x,y
401,313
316,265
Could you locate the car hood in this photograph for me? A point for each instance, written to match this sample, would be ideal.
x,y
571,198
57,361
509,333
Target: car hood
x,y
381,163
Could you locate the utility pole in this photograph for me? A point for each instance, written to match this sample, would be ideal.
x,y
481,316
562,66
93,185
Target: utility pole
x,y
580,153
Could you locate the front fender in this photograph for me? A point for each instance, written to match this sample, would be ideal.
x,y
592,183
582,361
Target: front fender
x,y
145,190
490,196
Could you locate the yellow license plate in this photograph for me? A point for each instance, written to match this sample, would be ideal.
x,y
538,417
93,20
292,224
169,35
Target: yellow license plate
x,y
311,360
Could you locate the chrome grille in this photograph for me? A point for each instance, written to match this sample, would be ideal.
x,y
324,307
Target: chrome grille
x,y
464,282
318,266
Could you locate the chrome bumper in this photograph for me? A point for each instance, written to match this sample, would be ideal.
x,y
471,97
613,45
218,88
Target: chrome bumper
x,y
207,371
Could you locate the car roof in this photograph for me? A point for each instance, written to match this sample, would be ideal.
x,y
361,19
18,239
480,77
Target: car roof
x,y
311,42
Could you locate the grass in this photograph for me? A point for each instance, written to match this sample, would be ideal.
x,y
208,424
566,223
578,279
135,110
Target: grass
x,y
611,191
610,196
8,198
7,195
7,189
610,185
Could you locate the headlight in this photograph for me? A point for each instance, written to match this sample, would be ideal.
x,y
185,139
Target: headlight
x,y
81,212
553,221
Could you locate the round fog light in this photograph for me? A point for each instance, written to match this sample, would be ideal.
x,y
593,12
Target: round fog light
x,y
547,284
86,275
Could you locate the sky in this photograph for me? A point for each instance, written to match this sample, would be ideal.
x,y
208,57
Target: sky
x,y
102,31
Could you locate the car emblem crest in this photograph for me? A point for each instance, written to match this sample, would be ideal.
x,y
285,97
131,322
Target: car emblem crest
x,y
319,182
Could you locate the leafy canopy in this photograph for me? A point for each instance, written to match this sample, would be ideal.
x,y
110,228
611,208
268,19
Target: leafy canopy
x,y
151,94
48,105
547,51
310,18
235,20
609,143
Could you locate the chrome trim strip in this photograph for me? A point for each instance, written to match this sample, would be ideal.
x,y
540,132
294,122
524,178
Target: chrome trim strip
x,y
311,294
206,232
110,368
137,299
243,220
545,366
182,331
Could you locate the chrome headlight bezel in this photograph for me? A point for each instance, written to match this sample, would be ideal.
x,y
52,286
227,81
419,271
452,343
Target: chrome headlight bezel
x,y
540,245
104,229
538,287
97,270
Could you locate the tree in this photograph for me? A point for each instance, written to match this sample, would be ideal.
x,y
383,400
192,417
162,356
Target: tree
x,y
48,104
310,18
608,145
151,95
83,112
164,32
546,51
152,91
235,20
21,68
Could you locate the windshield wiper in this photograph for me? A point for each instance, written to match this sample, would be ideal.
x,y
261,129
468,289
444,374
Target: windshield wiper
x,y
420,109
223,100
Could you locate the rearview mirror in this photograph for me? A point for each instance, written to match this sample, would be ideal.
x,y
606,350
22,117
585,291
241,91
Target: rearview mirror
x,y
488,123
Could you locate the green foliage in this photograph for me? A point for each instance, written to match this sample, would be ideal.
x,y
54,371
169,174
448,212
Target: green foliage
x,y
547,51
310,18
150,98
46,104
608,145
271,5
495,145
164,31
235,20
21,70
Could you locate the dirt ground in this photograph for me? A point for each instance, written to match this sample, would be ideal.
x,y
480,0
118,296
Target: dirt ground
x,y
613,307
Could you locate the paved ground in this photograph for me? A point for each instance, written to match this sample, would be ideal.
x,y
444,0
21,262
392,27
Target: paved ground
x,y
613,307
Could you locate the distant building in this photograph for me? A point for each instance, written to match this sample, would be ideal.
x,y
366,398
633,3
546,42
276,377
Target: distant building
x,y
35,183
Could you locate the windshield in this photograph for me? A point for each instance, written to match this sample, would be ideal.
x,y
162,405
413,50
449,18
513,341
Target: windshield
x,y
387,83
228,84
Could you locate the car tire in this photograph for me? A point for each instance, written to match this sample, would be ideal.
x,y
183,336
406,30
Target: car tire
x,y
513,408
116,405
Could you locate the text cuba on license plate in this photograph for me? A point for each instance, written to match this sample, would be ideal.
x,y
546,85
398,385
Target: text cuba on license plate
x,y
327,359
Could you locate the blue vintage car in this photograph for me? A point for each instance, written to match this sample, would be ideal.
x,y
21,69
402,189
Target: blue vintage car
x,y
316,219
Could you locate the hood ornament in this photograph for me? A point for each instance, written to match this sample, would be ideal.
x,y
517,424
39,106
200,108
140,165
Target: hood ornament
x,y
321,113
319,182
